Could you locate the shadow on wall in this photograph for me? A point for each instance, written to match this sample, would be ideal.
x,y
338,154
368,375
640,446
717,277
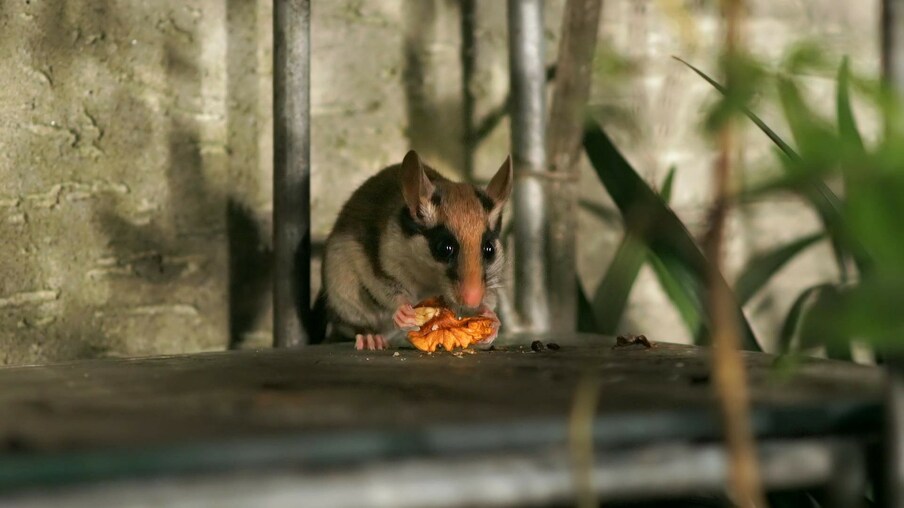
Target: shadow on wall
x,y
65,325
176,252
434,110
250,240
156,258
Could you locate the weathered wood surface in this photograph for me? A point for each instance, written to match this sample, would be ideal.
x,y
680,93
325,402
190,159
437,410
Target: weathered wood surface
x,y
101,403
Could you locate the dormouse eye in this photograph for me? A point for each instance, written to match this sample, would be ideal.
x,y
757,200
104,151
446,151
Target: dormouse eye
x,y
489,250
444,249
442,244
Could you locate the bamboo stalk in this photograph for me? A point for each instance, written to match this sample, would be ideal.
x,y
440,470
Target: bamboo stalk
x,y
728,367
580,25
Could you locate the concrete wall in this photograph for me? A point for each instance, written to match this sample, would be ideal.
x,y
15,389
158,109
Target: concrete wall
x,y
135,146
127,129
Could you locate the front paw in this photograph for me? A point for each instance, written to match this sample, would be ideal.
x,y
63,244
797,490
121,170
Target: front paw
x,y
370,341
405,318
488,313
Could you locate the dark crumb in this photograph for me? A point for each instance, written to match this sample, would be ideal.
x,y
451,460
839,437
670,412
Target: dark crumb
x,y
632,340
553,346
537,346
275,385
15,444
700,379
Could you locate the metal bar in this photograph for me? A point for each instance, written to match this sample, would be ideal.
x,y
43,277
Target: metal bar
x,y
893,41
565,131
847,483
659,471
528,130
891,488
291,172
468,56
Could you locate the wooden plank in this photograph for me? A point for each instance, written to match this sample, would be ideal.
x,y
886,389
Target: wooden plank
x,y
101,404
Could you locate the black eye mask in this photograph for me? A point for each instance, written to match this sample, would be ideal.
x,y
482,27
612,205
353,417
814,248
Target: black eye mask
x,y
443,245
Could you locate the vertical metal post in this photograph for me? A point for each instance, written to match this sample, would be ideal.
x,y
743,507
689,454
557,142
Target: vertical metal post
x,y
893,41
468,10
892,486
528,128
291,171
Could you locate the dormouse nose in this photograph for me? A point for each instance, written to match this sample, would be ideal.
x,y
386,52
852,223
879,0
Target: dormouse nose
x,y
471,295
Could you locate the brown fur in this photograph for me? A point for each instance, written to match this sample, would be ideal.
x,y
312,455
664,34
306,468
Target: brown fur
x,y
372,265
463,214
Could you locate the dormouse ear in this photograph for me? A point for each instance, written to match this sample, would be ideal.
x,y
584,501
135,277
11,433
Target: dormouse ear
x,y
499,190
417,189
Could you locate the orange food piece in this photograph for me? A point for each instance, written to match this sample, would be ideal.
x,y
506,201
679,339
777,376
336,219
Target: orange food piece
x,y
439,325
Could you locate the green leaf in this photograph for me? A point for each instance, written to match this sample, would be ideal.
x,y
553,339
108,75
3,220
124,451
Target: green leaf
x,y
815,139
805,57
826,202
665,192
793,318
612,294
611,297
762,268
822,151
683,291
647,216
816,330
605,214
847,124
869,310
784,147
743,76
586,321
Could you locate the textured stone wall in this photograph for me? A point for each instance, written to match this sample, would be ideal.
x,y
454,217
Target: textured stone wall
x,y
135,150
127,128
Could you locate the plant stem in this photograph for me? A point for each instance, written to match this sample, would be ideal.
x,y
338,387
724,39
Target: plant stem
x,y
728,367
580,24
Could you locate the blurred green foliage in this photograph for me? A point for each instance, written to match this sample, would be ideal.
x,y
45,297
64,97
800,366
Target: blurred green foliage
x,y
863,224
861,220
649,221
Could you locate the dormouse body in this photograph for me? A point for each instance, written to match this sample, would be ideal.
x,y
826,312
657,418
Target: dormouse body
x,y
407,234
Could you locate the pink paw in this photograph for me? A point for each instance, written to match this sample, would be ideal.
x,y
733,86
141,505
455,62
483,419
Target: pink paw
x,y
405,318
487,312
370,341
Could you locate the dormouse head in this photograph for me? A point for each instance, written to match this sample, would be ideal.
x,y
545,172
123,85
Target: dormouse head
x,y
461,224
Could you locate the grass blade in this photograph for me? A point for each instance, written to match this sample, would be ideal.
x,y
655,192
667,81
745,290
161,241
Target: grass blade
x,y
611,297
649,217
682,290
612,294
665,192
762,268
847,124
586,320
816,330
793,318
823,150
826,202
784,147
